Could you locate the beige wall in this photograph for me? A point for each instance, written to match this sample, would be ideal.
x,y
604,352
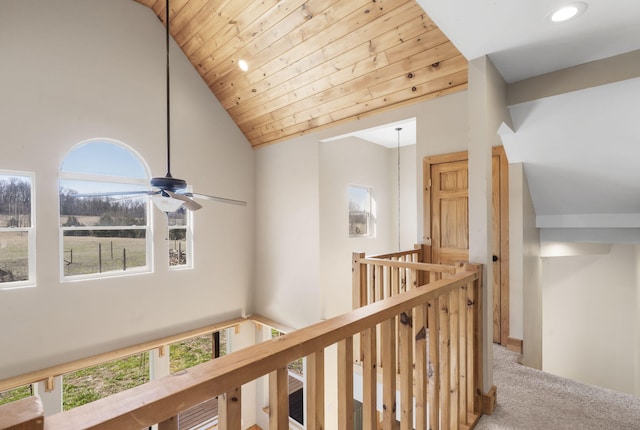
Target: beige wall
x,y
79,69
590,316
525,290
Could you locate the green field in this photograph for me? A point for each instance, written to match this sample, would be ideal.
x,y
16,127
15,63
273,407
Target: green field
x,y
85,254
14,262
93,383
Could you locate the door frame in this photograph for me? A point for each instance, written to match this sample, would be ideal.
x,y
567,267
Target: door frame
x,y
504,222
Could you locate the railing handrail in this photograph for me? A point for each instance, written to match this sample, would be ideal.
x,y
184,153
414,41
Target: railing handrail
x,y
398,254
164,398
426,267
47,374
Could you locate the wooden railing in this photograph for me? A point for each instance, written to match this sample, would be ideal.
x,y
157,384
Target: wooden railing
x,y
435,348
446,384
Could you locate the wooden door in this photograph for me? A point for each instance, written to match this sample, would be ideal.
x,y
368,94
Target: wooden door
x,y
446,227
449,212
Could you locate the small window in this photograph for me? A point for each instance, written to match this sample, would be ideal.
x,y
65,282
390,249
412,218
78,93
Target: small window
x,y
180,238
103,232
361,216
17,241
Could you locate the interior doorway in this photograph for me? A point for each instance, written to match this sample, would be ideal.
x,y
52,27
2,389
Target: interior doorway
x,y
446,222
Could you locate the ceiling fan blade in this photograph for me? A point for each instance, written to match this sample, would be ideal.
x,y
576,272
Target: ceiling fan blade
x,y
189,203
217,199
117,193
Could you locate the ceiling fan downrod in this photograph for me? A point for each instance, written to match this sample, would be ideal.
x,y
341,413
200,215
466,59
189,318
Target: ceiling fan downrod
x,y
168,182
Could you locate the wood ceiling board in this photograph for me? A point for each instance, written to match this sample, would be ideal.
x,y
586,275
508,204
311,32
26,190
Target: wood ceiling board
x,y
284,54
312,62
258,38
374,83
274,87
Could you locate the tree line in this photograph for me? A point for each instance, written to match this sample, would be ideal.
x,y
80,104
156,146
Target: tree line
x,y
15,202
15,206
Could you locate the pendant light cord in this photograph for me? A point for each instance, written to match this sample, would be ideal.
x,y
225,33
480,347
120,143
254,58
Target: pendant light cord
x,y
168,90
398,130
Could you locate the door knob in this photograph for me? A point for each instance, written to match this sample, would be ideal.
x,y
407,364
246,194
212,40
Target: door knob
x,y
495,258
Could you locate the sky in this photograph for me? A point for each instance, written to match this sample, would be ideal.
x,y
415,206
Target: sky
x,y
103,158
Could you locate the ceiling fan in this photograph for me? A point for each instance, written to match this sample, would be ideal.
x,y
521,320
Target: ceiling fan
x,y
171,193
168,193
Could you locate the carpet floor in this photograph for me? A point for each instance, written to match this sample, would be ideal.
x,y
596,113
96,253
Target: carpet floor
x,y
531,399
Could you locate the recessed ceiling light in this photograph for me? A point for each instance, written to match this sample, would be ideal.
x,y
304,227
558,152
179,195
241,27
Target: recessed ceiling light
x,y
568,12
243,65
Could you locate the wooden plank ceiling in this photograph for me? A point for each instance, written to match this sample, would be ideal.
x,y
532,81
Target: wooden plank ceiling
x,y
313,63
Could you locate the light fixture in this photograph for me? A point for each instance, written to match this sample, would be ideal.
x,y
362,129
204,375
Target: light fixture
x,y
568,12
166,204
244,66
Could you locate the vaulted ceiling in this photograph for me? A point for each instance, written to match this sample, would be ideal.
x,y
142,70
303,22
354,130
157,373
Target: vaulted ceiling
x,y
312,63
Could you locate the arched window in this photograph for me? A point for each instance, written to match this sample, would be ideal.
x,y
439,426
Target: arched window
x,y
103,230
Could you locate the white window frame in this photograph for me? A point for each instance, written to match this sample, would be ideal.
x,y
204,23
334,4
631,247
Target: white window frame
x,y
189,242
144,185
31,235
370,213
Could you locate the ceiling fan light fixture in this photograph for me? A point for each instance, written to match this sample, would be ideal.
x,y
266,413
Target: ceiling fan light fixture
x,y
568,12
166,204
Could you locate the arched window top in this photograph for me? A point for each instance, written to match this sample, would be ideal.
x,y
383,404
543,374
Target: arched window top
x,y
104,157
104,211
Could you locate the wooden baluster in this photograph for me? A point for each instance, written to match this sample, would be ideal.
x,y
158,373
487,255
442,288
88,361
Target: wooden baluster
x,y
406,371
358,281
388,330
24,414
470,310
454,333
359,291
462,347
420,335
369,379
279,399
379,278
445,382
345,384
230,410
433,371
315,391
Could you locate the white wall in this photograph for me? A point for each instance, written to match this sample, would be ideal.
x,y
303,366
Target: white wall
x,y
287,240
525,290
590,317
351,161
442,127
79,69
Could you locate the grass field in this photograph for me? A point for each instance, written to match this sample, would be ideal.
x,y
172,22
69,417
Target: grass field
x,y
84,254
13,256
93,383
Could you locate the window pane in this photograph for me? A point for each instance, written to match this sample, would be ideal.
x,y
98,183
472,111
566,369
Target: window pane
x,y
177,246
190,352
15,201
360,221
100,251
177,218
100,210
15,394
93,383
14,256
103,158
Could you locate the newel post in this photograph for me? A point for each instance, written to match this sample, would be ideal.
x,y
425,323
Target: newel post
x,y
359,281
